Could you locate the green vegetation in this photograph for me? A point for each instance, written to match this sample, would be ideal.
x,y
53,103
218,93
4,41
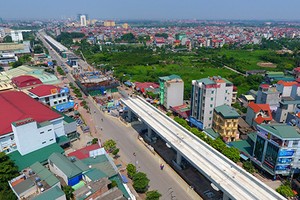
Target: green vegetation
x,y
109,145
113,184
248,166
22,60
285,190
8,171
128,37
7,39
115,152
131,170
68,190
67,38
60,71
94,140
140,182
230,152
38,49
153,195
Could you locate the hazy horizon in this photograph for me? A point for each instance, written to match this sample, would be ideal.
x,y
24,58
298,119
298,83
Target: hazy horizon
x,y
154,10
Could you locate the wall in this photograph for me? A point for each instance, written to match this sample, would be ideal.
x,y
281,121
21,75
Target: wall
x,y
58,127
30,138
174,94
54,169
70,127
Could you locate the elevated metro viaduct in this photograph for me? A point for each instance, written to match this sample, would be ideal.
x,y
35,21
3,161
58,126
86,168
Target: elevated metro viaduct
x,y
232,180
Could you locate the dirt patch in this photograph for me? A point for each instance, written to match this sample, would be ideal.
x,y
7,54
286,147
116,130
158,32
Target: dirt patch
x,y
267,64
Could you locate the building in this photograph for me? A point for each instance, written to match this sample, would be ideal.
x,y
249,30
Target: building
x,y
258,114
125,26
109,23
56,97
6,58
246,99
276,149
147,87
171,91
64,168
268,94
16,35
225,122
27,125
285,87
208,93
26,81
83,19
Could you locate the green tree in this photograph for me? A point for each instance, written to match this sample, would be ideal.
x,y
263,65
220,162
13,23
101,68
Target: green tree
x,y
140,182
113,184
109,145
94,140
17,64
285,190
115,152
232,153
38,49
7,39
248,166
153,195
128,37
8,171
131,170
68,190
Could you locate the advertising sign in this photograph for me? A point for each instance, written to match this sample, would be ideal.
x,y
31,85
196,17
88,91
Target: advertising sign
x,y
283,167
196,123
286,152
285,160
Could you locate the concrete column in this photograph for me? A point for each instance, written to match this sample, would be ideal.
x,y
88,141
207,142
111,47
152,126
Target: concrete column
x,y
149,133
225,197
129,115
178,158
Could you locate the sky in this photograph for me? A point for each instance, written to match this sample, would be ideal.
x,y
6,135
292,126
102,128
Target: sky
x,y
152,9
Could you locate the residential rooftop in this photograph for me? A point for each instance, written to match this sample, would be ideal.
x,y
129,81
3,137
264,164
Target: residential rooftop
x,y
281,130
227,112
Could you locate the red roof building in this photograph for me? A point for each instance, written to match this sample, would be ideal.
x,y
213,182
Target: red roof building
x,y
45,90
84,152
258,114
15,106
182,110
26,81
146,86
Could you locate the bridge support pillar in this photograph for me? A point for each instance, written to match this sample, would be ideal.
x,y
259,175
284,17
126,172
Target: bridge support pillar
x,y
178,158
149,133
129,115
225,197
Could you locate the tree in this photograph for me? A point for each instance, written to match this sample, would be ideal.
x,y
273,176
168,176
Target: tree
x,y
8,171
115,152
38,49
17,64
153,195
232,153
113,184
94,140
109,145
285,190
140,182
131,170
68,190
7,39
248,166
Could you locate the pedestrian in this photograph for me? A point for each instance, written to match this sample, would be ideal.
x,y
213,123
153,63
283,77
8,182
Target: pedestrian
x,y
162,166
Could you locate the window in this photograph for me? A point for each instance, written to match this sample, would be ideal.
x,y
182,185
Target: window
x,y
59,101
210,112
211,105
55,102
295,143
225,98
63,94
212,99
64,100
42,132
44,142
210,118
226,91
58,95
212,91
51,140
49,130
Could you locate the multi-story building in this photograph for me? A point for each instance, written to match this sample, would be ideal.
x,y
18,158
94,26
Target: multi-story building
x,y
171,91
268,94
208,93
109,23
225,122
277,149
16,36
83,19
56,97
258,114
27,125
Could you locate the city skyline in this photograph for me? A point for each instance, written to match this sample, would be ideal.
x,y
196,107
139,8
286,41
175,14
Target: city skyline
x,y
167,9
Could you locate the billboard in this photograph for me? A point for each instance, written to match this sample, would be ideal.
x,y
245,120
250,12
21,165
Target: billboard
x,y
283,167
285,160
286,152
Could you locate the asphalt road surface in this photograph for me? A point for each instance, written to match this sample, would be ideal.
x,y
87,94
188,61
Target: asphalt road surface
x,y
126,138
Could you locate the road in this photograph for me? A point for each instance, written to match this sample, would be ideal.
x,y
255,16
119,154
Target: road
x,y
126,138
